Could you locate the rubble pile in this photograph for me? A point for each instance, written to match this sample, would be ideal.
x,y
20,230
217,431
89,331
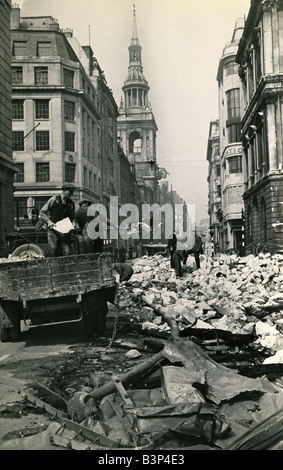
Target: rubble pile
x,y
28,256
242,296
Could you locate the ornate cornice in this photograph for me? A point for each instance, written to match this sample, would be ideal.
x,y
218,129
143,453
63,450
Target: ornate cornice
x,y
271,97
267,5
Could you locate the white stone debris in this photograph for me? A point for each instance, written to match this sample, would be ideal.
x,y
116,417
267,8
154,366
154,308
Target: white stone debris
x,y
248,289
133,354
23,257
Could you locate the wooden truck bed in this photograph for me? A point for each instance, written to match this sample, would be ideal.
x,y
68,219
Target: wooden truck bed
x,y
43,278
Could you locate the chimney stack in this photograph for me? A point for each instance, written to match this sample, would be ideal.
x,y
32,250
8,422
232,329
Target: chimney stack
x,y
15,16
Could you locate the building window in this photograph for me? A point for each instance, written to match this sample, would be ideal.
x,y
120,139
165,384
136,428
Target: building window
x,y
233,103
69,78
17,109
70,172
218,190
17,75
85,176
231,68
39,203
42,140
43,48
19,48
20,176
18,140
234,133
69,111
235,164
42,109
20,206
42,172
69,141
41,75
218,173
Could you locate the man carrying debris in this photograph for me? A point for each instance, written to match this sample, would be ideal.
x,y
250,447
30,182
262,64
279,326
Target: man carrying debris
x,y
55,209
196,251
82,220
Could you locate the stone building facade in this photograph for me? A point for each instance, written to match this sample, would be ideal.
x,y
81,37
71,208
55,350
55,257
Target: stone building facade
x,y
64,116
214,184
7,166
231,186
260,58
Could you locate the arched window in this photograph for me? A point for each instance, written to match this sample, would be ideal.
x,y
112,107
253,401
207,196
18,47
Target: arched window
x,y
135,142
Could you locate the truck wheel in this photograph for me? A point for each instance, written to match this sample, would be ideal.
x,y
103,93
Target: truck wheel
x,y
5,337
28,249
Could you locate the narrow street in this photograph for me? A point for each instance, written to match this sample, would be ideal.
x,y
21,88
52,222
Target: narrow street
x,y
141,222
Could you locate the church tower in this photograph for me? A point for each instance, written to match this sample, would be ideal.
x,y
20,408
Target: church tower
x,y
136,124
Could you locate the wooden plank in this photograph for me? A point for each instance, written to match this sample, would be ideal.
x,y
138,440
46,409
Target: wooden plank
x,y
73,268
30,288
45,293
49,277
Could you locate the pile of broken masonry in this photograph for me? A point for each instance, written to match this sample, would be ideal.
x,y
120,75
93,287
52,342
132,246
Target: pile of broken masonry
x,y
230,307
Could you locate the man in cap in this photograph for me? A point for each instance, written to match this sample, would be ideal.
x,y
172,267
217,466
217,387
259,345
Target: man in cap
x,y
55,209
82,220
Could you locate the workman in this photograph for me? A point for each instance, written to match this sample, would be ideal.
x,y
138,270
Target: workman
x,y
55,209
82,220
196,251
175,255
124,270
171,247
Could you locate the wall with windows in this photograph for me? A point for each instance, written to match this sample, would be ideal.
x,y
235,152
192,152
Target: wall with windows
x,y
260,68
214,183
56,118
7,167
231,151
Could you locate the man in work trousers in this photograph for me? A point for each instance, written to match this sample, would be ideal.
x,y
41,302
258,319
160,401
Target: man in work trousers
x,y
196,251
55,209
175,255
171,247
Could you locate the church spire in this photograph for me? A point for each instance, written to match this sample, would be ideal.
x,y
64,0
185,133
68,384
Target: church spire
x,y
135,48
135,86
135,40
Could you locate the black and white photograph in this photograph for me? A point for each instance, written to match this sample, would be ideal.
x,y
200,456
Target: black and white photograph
x,y
141,228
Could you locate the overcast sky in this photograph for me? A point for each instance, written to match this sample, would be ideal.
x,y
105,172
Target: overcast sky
x,y
182,42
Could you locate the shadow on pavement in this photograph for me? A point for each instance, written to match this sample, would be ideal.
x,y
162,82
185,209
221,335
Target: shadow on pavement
x,y
67,333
